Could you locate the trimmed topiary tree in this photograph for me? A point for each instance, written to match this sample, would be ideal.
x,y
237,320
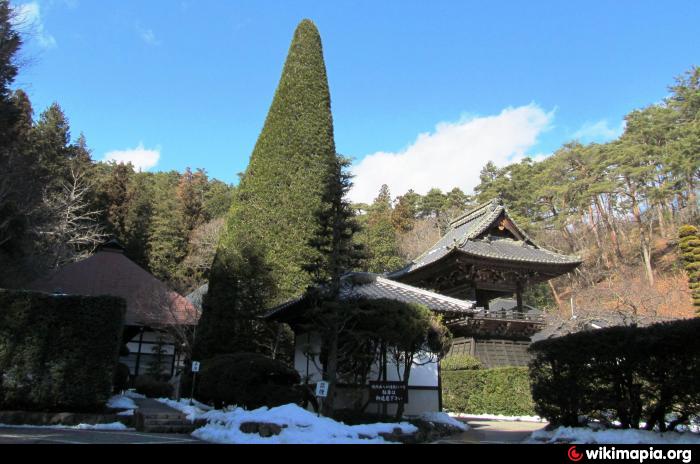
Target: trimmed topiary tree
x,y
265,246
248,380
689,245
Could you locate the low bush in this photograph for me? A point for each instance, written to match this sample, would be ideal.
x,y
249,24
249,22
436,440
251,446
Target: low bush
x,y
248,380
58,352
153,387
501,390
625,374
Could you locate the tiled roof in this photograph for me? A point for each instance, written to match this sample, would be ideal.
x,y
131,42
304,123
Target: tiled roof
x,y
557,327
373,286
148,300
467,235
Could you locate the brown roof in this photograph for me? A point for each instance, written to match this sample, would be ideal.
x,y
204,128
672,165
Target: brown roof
x,y
108,272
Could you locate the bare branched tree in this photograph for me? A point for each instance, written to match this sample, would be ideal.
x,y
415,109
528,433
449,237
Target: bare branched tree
x,y
69,230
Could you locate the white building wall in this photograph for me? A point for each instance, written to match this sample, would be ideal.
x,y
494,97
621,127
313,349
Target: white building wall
x,y
423,393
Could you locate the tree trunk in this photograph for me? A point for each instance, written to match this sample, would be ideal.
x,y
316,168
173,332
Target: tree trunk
x,y
660,216
406,375
644,243
609,226
557,299
331,375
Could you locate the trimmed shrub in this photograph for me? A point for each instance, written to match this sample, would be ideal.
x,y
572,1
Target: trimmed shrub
x,y
153,387
628,374
58,352
689,244
459,362
248,380
121,378
501,390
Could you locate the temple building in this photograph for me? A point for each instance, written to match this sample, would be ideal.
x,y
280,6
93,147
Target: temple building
x,y
152,309
486,257
423,389
474,277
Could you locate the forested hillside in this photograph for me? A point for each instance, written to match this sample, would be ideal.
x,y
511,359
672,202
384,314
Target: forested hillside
x,y
617,204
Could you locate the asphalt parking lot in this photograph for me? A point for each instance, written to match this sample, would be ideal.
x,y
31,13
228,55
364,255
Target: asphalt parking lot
x,y
41,435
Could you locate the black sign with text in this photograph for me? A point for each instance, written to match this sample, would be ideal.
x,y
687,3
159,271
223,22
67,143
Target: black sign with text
x,y
388,392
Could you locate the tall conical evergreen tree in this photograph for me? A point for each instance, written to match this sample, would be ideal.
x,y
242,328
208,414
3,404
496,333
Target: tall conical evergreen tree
x,y
272,219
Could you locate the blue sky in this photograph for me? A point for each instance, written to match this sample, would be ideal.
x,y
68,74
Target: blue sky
x,y
423,93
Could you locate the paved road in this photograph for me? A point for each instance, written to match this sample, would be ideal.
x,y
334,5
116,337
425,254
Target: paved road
x,y
74,436
492,431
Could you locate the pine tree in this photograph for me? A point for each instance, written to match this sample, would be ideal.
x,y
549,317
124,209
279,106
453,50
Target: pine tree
x,y
191,193
114,198
167,238
52,134
378,236
137,223
338,253
272,218
10,43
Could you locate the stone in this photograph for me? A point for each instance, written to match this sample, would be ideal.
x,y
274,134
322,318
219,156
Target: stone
x,y
264,429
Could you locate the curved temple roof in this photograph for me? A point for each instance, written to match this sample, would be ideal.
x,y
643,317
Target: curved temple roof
x,y
373,286
469,235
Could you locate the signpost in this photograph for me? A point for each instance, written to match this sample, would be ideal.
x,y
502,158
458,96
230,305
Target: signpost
x,y
195,369
388,392
321,392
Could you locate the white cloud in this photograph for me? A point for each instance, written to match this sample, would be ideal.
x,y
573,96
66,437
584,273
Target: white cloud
x,y
598,131
142,158
452,155
148,36
28,20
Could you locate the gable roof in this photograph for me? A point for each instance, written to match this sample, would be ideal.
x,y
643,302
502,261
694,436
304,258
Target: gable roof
x,y
468,234
374,286
149,301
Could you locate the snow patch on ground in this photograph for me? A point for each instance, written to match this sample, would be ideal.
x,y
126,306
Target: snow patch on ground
x,y
628,436
111,426
121,402
498,417
444,418
134,395
298,426
191,411
129,412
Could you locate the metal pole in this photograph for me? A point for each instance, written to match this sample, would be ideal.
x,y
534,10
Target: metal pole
x,y
194,377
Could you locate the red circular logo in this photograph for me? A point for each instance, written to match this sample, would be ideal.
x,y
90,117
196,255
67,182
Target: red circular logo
x,y
574,455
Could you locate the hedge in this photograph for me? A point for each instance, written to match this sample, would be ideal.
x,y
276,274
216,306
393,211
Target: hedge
x,y
58,352
501,390
625,374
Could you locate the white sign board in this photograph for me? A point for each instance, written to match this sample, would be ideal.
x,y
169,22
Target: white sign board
x,y
322,389
195,366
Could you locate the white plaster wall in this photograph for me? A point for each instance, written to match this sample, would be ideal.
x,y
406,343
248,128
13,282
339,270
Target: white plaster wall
x,y
307,344
423,374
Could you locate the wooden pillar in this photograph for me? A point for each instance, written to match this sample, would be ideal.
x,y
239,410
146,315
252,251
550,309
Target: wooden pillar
x,y
519,295
138,355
